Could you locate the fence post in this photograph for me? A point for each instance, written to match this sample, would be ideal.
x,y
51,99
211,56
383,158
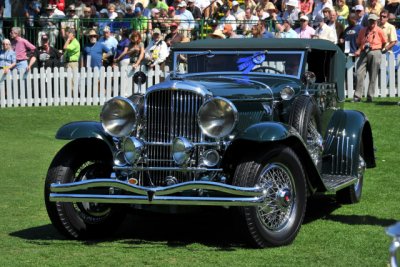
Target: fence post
x,y
56,78
2,89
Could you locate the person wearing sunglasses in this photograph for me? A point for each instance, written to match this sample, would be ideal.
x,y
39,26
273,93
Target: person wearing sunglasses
x,y
8,59
388,29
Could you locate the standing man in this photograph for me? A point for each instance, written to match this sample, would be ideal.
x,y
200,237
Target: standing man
x,y
389,30
111,43
45,55
95,50
371,40
21,47
72,50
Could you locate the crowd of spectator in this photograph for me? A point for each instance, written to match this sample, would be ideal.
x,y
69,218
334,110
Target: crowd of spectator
x,y
141,32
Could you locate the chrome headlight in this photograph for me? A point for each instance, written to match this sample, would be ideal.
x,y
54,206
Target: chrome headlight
x,y
217,117
182,150
133,149
119,116
287,93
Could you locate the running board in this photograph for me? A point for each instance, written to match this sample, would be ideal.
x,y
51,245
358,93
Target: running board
x,y
334,183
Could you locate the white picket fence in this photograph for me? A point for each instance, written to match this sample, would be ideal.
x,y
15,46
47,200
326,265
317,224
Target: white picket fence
x,y
60,87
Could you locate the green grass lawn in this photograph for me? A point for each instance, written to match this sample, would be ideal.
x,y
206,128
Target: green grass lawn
x,y
332,235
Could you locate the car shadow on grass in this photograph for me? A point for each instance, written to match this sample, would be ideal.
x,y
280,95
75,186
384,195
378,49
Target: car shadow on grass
x,y
211,227
215,228
322,207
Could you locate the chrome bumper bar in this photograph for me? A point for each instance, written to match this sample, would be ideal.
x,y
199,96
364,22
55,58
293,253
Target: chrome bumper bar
x,y
238,196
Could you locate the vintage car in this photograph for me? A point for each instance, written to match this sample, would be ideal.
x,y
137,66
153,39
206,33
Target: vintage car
x,y
255,125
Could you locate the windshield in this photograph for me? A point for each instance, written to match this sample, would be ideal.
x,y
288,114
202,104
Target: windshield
x,y
271,62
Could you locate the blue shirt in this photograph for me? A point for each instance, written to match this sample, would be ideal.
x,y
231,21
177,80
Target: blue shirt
x,y
111,43
350,35
121,47
7,58
289,34
96,53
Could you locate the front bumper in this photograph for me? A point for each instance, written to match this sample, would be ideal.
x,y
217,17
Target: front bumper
x,y
124,193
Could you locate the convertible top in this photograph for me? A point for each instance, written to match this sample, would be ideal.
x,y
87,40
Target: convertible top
x,y
258,43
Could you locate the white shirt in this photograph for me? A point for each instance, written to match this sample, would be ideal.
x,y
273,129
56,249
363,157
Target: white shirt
x,y
230,19
156,52
325,32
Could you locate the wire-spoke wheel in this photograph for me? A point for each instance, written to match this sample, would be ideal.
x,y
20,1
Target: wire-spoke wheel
x,y
279,172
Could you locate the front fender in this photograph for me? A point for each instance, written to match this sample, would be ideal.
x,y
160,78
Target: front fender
x,y
84,129
268,131
260,137
346,130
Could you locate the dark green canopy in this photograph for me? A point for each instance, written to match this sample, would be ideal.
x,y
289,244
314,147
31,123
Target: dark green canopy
x,y
324,57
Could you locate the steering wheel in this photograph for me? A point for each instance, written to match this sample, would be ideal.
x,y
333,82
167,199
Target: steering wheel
x,y
264,68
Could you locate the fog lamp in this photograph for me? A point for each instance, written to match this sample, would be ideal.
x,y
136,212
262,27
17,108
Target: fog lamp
x,y
182,150
211,158
133,149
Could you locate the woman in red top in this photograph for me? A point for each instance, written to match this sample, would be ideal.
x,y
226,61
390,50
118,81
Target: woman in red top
x,y
306,7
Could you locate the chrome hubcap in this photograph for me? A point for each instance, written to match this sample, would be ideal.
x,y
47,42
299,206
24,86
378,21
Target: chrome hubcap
x,y
279,203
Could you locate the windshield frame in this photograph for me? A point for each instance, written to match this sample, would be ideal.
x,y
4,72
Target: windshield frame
x,y
244,53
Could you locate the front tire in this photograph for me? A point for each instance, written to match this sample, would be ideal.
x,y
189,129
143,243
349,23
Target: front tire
x,y
277,221
77,162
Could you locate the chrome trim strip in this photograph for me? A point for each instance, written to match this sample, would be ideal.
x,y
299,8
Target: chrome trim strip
x,y
158,200
187,169
194,143
165,190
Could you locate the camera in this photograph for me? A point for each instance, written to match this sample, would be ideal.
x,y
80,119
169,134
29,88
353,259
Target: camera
x,y
367,47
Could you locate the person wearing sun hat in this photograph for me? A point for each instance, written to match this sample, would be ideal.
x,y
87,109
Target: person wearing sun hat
x,y
45,56
95,49
69,22
217,34
292,10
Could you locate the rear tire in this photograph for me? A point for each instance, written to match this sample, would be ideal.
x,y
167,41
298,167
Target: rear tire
x,y
77,162
277,221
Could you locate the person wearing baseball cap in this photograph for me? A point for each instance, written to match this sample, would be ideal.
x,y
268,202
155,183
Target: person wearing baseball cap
x,y
305,31
371,40
237,11
186,17
45,56
362,17
156,51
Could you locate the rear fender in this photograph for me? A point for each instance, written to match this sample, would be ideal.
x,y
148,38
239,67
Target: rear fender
x,y
260,137
342,143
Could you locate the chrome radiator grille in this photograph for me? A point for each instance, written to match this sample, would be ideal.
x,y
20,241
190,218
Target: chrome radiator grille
x,y
170,113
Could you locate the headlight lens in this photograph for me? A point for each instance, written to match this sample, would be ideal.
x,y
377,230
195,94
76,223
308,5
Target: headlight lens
x,y
119,116
217,117
182,150
287,93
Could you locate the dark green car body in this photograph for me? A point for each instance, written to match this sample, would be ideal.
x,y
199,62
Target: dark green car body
x,y
270,106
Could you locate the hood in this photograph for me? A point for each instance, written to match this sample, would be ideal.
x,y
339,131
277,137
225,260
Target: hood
x,y
230,86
